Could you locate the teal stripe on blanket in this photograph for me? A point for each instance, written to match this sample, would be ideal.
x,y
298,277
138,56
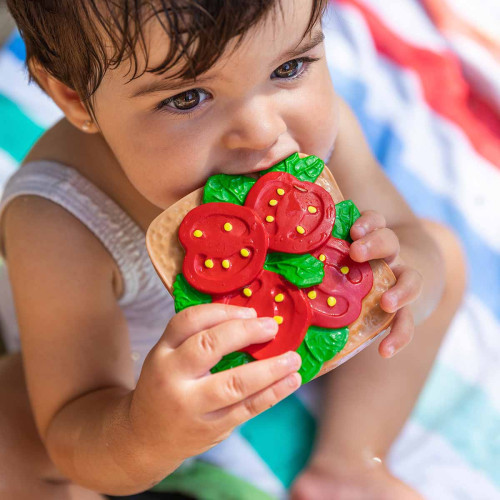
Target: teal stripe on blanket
x,y
461,413
283,436
17,131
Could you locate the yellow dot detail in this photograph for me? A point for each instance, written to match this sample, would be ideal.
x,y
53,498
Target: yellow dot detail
x,y
247,292
322,257
280,191
312,294
197,234
270,218
228,226
331,301
278,319
209,263
300,230
225,264
344,270
273,203
244,252
279,298
311,209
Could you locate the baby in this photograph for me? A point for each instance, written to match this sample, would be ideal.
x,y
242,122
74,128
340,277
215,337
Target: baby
x,y
157,97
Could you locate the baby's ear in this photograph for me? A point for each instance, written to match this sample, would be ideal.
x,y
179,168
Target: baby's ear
x,y
65,97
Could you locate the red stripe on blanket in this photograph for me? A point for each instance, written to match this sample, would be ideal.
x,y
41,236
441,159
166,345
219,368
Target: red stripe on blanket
x,y
445,89
449,22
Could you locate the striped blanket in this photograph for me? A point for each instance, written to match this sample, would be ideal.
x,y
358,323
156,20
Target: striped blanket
x,y
423,77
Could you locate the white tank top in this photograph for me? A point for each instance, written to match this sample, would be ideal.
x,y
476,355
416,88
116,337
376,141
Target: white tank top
x,y
146,304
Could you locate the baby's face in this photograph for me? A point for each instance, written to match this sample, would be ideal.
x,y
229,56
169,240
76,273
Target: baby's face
x,y
255,107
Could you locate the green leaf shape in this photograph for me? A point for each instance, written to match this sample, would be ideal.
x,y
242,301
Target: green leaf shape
x,y
232,360
310,365
346,214
304,169
303,270
227,188
185,295
325,343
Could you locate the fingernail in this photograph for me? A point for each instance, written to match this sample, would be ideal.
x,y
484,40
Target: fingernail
x,y
361,230
291,359
247,312
391,303
268,325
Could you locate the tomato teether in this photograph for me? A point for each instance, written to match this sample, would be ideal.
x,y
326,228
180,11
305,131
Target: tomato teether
x,y
225,246
298,216
271,295
336,302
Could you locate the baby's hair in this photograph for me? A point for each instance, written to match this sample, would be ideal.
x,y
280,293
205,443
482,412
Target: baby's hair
x,y
77,41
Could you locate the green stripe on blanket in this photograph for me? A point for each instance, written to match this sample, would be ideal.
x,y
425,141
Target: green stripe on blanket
x,y
205,481
17,132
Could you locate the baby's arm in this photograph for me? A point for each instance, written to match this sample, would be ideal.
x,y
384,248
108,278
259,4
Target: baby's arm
x,y
99,431
368,399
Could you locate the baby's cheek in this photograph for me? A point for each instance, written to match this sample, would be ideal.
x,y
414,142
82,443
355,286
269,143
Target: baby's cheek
x,y
319,123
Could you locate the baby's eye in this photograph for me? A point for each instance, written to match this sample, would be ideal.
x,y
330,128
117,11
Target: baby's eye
x,y
290,69
185,101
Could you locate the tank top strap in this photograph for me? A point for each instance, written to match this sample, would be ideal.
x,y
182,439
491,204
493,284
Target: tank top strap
x,y
119,234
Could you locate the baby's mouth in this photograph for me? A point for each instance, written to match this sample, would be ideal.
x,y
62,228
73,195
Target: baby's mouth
x,y
253,170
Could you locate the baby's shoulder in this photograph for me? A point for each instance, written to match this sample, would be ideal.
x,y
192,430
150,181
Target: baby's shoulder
x,y
42,236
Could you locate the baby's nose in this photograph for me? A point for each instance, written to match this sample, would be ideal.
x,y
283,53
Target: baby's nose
x,y
255,125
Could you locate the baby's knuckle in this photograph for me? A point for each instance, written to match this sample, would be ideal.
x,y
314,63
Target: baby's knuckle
x,y
235,387
190,316
160,383
179,401
251,407
207,342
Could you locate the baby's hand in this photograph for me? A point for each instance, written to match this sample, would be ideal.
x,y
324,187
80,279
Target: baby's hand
x,y
373,240
179,408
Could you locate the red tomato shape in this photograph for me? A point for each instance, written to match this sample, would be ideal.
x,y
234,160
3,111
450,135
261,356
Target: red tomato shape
x,y
336,302
271,295
225,245
298,216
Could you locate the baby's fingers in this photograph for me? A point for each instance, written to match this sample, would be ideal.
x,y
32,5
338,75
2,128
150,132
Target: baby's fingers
x,y
203,350
406,290
368,222
228,418
197,318
380,244
232,386
402,330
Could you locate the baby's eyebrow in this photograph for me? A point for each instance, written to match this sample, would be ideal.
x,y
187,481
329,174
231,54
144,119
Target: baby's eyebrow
x,y
166,85
302,47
